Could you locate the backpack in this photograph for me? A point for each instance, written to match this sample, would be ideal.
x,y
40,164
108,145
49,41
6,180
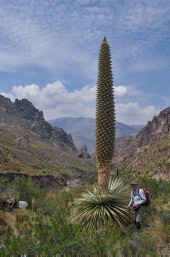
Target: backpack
x,y
146,192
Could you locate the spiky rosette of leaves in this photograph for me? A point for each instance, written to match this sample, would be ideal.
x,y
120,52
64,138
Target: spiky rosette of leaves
x,y
96,208
105,115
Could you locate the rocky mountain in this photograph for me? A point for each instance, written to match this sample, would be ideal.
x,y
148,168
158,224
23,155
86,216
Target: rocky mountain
x,y
23,114
83,130
29,144
156,129
83,153
149,149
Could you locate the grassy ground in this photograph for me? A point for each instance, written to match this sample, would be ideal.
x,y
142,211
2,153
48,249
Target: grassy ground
x,y
46,227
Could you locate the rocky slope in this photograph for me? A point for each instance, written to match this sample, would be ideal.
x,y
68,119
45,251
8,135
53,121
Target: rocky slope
x,y
149,149
29,144
156,129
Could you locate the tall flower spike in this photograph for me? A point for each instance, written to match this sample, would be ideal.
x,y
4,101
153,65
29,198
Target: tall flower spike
x,y
105,116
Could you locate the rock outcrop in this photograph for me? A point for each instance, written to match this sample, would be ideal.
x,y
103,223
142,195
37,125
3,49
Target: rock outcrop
x,y
42,180
83,153
157,128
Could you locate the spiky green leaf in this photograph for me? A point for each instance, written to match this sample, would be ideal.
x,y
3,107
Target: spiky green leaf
x,y
95,208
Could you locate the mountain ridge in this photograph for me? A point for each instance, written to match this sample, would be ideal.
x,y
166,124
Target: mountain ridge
x,y
149,149
83,130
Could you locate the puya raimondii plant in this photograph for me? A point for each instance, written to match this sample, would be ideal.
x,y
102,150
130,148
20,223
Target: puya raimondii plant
x,y
107,201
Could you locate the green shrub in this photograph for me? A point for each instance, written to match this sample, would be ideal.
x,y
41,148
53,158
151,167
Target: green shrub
x,y
28,189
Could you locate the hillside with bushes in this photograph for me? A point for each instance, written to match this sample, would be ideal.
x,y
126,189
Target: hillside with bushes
x,y
46,226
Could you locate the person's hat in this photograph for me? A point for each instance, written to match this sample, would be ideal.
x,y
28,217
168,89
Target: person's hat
x,y
133,183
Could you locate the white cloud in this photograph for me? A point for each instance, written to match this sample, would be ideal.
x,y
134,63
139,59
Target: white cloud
x,y
64,37
132,113
121,91
144,14
56,101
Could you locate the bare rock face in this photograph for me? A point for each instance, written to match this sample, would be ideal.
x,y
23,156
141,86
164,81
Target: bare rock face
x,y
8,113
27,110
7,203
83,153
158,128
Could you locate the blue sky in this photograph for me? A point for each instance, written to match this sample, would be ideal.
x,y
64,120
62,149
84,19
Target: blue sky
x,y
49,54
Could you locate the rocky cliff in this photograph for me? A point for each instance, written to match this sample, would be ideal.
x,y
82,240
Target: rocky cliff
x,y
23,114
156,130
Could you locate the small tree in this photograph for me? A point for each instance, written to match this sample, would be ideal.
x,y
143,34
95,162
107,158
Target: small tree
x,y
105,116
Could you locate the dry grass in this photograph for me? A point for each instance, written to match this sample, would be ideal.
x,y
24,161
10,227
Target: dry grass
x,y
160,231
22,215
7,223
148,159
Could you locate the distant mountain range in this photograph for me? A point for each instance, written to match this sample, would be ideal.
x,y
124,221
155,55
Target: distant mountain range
x,y
82,130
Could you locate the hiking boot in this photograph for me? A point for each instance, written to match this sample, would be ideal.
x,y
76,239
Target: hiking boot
x,y
138,227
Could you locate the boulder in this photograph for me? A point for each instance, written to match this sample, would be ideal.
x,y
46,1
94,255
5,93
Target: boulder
x,y
22,204
8,203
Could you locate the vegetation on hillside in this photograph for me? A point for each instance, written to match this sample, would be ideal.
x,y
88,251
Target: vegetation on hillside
x,y
23,153
45,228
147,160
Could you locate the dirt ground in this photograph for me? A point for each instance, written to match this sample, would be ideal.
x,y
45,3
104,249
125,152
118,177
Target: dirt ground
x,y
163,176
